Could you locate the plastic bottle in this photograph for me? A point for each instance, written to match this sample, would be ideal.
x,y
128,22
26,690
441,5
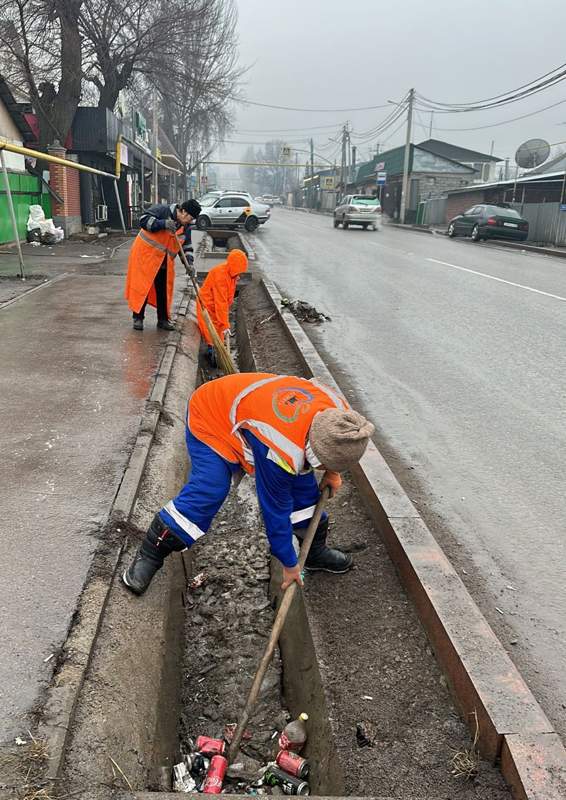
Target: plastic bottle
x,y
294,734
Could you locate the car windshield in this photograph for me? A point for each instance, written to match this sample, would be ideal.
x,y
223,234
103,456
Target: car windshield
x,y
362,200
498,211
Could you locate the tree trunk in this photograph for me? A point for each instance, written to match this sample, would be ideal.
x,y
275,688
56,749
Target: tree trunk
x,y
56,109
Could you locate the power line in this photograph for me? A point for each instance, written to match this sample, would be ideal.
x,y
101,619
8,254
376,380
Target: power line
x,y
535,86
504,94
308,110
506,121
291,130
389,119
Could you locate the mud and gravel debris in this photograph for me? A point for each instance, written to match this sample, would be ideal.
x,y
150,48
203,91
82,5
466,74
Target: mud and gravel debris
x,y
229,618
304,311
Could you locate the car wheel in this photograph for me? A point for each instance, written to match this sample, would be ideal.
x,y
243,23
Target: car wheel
x,y
476,234
365,226
452,230
203,222
336,222
251,224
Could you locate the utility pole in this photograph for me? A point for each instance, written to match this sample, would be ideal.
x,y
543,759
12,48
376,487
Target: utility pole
x,y
354,148
343,162
431,121
407,159
312,175
155,148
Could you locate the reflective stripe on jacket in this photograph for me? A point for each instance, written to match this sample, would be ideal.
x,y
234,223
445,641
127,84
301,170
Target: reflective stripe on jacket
x,y
150,250
277,409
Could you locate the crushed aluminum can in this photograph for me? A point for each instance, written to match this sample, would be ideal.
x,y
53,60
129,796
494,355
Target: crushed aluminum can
x,y
211,747
182,780
230,729
292,763
197,581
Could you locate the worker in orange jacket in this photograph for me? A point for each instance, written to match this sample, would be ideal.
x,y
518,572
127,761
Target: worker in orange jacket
x,y
278,427
217,295
151,269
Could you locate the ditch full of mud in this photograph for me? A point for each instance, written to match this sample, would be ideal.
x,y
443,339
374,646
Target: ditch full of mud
x,y
179,662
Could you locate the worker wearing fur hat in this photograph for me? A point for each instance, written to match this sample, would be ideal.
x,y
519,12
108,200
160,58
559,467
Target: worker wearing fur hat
x,y
151,269
279,428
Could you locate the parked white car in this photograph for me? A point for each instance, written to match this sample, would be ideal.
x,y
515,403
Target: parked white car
x,y
358,209
231,210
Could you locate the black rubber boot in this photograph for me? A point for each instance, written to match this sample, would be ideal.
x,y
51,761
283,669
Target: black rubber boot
x,y
165,324
138,323
322,558
159,542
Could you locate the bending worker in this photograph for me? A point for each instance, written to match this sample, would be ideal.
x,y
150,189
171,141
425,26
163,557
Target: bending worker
x,y
217,295
151,268
279,427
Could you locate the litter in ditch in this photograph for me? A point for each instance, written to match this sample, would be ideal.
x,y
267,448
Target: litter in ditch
x,y
304,311
205,767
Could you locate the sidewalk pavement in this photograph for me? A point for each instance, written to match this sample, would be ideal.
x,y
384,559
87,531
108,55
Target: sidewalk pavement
x,y
73,384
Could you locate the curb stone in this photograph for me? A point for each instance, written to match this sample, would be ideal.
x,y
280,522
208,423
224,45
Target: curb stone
x,y
483,679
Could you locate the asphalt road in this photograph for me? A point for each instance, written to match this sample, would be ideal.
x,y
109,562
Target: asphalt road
x,y
457,352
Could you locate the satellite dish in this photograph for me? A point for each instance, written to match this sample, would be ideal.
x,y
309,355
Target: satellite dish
x,y
532,153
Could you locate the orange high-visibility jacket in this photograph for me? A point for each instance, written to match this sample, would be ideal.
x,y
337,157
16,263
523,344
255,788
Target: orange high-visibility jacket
x,y
277,409
217,293
146,257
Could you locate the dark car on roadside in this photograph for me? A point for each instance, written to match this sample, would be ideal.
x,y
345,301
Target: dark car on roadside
x,y
487,221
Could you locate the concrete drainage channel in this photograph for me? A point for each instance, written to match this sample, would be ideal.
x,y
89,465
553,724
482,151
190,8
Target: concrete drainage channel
x,y
159,669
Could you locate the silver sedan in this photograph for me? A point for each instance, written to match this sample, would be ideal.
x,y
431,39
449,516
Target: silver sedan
x,y
358,209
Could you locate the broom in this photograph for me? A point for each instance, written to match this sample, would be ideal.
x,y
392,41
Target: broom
x,y
222,355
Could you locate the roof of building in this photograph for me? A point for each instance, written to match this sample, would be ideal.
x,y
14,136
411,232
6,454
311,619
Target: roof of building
x,y
453,152
555,164
393,162
551,177
15,112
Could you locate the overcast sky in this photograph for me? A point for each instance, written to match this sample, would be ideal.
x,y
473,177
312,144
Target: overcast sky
x,y
350,53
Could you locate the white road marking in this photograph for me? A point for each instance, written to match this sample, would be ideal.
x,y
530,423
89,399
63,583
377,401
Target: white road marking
x,y
499,280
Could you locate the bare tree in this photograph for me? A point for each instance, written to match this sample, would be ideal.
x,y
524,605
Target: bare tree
x,y
201,82
41,50
122,40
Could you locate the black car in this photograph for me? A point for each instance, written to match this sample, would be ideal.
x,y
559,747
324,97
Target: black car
x,y
490,222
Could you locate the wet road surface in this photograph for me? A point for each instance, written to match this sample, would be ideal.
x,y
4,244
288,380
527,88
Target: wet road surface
x,y
457,352
73,382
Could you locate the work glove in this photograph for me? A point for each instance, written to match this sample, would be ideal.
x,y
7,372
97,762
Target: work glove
x,y
332,480
170,225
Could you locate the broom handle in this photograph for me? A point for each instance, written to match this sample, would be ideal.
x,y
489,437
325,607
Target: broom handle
x,y
205,314
282,612
189,272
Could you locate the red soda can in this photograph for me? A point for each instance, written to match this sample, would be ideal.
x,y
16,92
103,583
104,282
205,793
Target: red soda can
x,y
292,763
211,747
215,775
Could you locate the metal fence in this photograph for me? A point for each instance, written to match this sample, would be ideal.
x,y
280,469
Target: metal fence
x,y
547,223
434,211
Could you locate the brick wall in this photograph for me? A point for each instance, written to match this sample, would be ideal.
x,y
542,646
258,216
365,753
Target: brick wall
x,y
458,203
65,181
